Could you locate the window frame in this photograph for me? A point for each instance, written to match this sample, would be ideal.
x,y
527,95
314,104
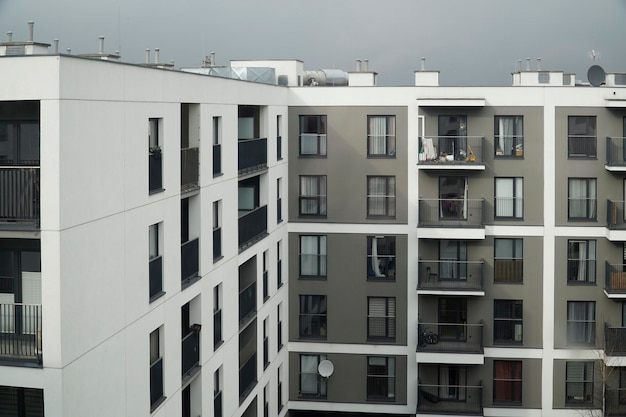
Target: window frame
x,y
516,262
318,301
320,183
321,386
574,137
515,382
155,261
517,146
389,196
581,331
321,140
388,317
321,254
587,384
591,203
512,308
589,265
385,261
389,373
389,138
516,199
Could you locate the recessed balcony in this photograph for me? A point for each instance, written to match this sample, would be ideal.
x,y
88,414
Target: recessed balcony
x,y
252,155
451,277
20,194
614,340
446,338
450,399
615,154
615,284
451,218
252,227
190,360
615,402
20,333
451,153
189,169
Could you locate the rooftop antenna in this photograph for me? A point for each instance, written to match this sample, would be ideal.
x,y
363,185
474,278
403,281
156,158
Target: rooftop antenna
x,y
593,55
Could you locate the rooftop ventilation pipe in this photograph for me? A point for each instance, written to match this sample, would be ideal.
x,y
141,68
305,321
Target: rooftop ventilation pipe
x,y
527,64
423,64
69,51
366,65
358,65
147,55
101,45
31,30
212,58
156,55
56,46
519,65
538,64
9,36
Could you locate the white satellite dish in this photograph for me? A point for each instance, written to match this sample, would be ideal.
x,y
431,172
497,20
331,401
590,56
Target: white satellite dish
x,y
325,368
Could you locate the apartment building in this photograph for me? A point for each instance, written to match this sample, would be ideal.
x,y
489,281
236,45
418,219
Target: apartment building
x,y
176,243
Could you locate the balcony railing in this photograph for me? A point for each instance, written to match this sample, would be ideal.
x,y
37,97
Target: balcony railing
x,y
156,276
615,215
252,155
450,337
156,381
155,171
509,146
279,210
252,226
279,148
19,194
614,340
616,151
449,399
451,150
20,332
615,402
247,377
615,278
217,328
189,259
217,159
451,275
247,303
451,212
508,270
582,146
217,243
189,168
190,352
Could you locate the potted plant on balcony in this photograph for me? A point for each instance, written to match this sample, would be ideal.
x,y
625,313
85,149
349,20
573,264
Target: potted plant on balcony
x,y
155,150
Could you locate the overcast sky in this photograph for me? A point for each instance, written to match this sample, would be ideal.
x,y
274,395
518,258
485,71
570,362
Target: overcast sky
x,y
472,42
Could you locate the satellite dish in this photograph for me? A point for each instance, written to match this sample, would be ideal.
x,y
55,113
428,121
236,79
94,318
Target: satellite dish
x,y
596,75
325,368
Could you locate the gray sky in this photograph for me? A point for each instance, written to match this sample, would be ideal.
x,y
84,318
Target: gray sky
x,y
472,42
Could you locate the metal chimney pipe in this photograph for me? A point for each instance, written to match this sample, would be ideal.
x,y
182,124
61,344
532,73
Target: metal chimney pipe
x,y
147,55
31,30
212,58
69,51
56,46
358,65
366,65
538,64
423,65
519,65
527,64
101,45
9,36
156,55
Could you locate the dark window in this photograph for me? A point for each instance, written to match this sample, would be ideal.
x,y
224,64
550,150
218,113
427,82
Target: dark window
x,y
509,136
21,402
313,256
509,198
313,316
507,381
312,384
381,136
217,317
582,199
217,230
217,146
581,322
452,141
508,260
313,195
579,383
453,204
381,257
581,261
156,370
217,393
581,137
381,318
381,196
312,135
155,263
381,378
155,165
507,321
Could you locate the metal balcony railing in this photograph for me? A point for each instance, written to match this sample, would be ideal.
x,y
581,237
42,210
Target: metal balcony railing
x,y
582,146
217,243
508,270
615,402
155,171
279,148
451,275
449,399
247,304
189,259
217,159
156,276
156,381
252,226
451,150
247,377
614,340
20,332
450,337
19,194
616,151
189,168
252,155
190,352
451,212
615,278
217,328
615,215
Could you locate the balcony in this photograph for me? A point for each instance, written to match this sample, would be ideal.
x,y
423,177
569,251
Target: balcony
x,y
19,204
451,152
450,399
189,169
189,260
615,285
190,360
252,155
451,218
615,154
614,340
247,304
615,402
450,338
450,277
20,333
252,227
247,377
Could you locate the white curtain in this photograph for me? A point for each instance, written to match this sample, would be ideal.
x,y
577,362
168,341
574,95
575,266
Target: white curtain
x,y
313,262
581,318
309,375
378,135
375,260
509,133
313,186
582,198
380,190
